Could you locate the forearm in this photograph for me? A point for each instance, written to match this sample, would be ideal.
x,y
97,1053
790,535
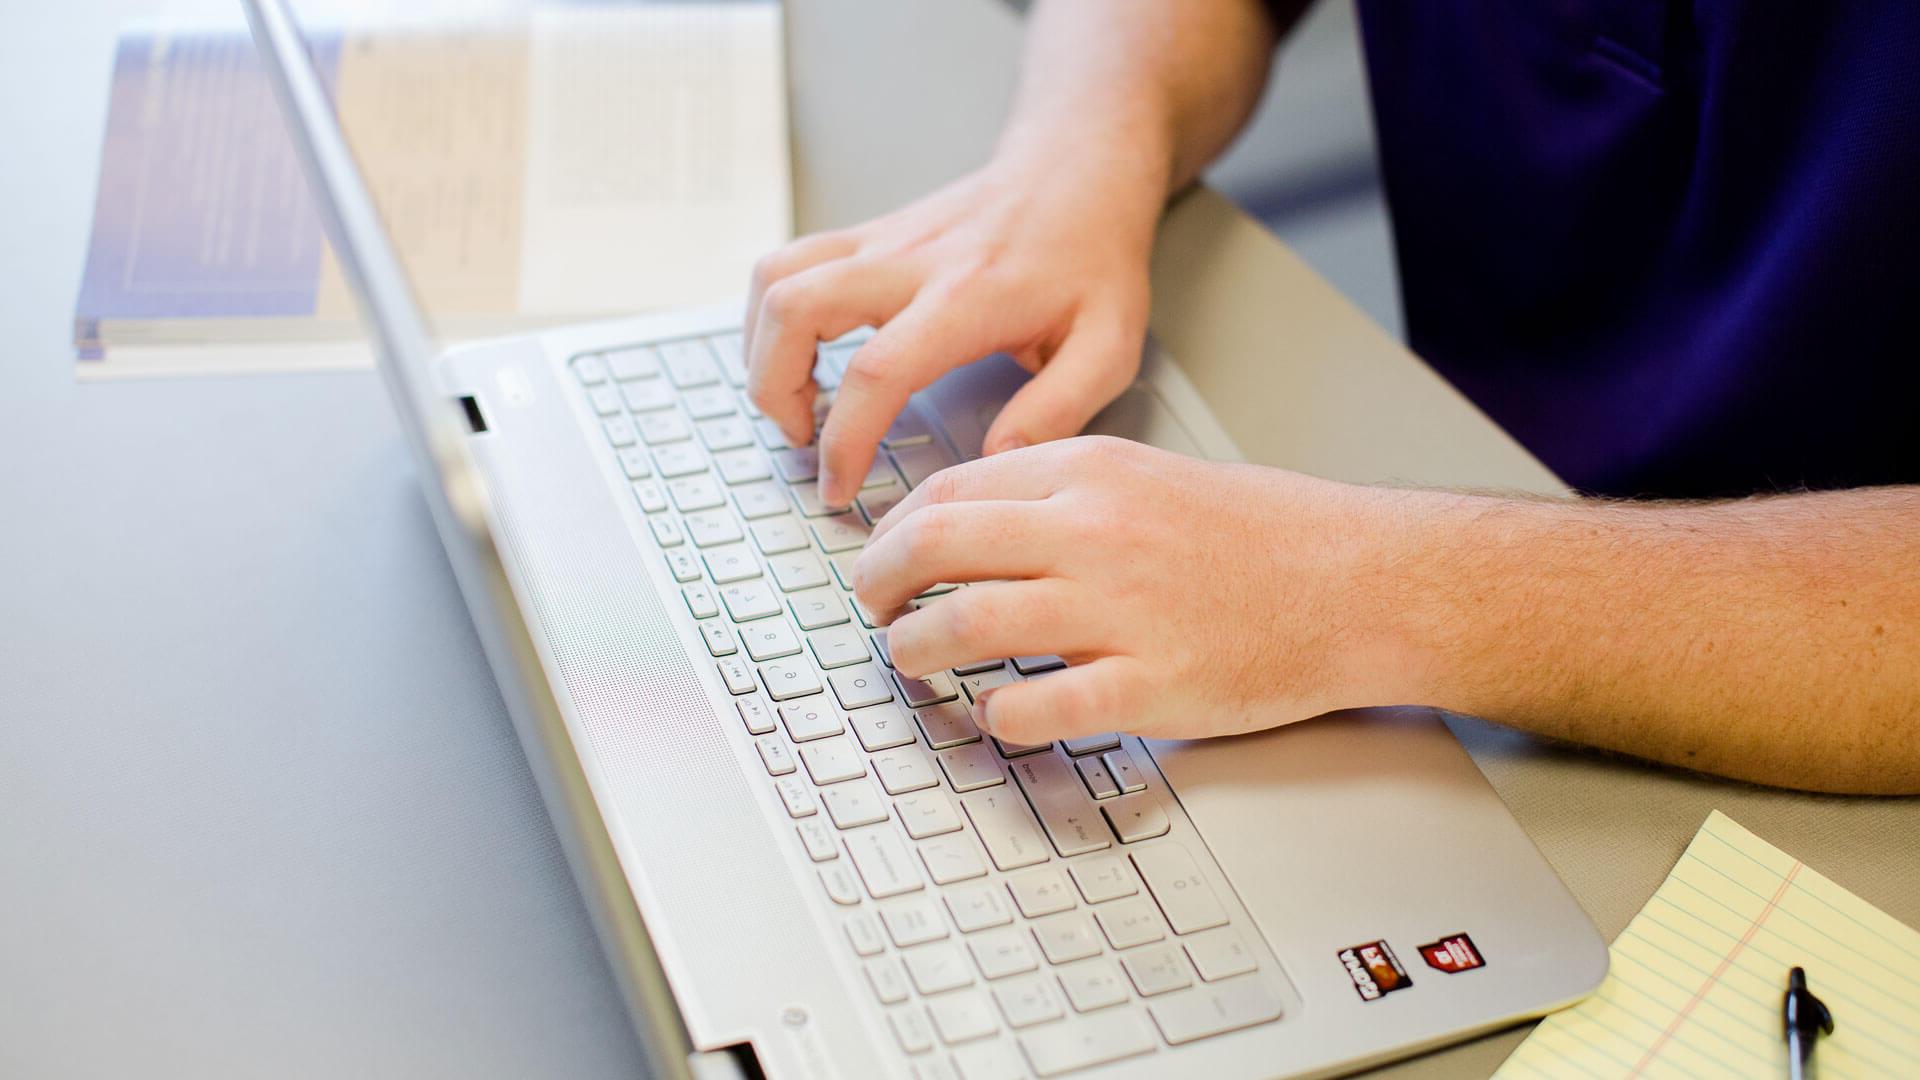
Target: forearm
x,y
1146,92
1775,640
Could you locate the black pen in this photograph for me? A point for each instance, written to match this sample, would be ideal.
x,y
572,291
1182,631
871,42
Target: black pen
x,y
1806,1018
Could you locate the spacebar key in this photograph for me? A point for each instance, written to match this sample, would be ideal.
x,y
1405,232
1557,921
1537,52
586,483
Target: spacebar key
x,y
1088,1041
1212,1010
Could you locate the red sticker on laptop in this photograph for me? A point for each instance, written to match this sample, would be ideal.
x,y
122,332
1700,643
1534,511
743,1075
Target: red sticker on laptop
x,y
1375,971
1452,954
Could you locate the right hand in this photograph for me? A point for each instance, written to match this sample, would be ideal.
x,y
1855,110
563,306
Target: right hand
x,y
1015,259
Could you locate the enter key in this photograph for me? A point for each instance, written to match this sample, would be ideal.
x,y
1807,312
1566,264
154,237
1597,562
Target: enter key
x,y
1070,818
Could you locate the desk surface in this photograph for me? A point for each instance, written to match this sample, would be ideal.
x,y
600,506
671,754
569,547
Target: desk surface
x,y
260,809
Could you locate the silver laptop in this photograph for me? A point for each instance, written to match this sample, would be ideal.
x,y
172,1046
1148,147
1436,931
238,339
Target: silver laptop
x,y
805,865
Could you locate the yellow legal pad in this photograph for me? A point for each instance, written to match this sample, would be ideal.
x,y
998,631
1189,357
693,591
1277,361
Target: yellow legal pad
x,y
1698,975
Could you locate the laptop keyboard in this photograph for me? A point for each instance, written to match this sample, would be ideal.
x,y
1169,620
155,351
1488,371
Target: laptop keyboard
x,y
1016,910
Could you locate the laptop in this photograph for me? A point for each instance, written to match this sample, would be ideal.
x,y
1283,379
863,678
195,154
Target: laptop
x,y
802,864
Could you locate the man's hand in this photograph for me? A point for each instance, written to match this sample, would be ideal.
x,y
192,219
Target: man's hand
x,y
1191,598
1013,259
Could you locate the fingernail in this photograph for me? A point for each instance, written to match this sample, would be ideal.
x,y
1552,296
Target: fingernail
x,y
978,712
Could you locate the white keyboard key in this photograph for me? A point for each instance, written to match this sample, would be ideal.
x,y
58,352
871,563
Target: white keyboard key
x,y
916,463
863,933
1040,892
1090,1040
590,369
809,720
935,688
976,685
689,363
842,532
880,474
883,862
1130,922
755,714
901,771
1029,1001
962,1017
830,761
1157,970
881,727
841,887
1070,818
710,527
619,431
645,397
605,400
775,535
806,499
929,813
1176,882
730,563
951,859
860,686
700,601
874,503
911,1029
1003,953
853,804
1066,937
889,982
1011,750
908,429
737,675
666,531
1125,772
650,495
842,562
1214,1009
683,565
1220,954
774,754
797,465
947,726
744,466
726,433
971,767
797,570
995,1060
937,968
838,646
662,426
726,347
913,922
1136,817
709,402
770,434
1093,984
815,608
786,679
636,463
756,501
769,639
1006,827
1033,665
795,796
1103,879
818,838
979,907
637,362
879,638
690,493
1090,744
1100,782
976,668
681,460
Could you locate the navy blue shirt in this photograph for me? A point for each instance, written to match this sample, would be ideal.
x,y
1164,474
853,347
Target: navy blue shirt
x,y
1673,248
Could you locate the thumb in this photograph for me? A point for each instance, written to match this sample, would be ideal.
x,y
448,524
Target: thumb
x,y
1090,369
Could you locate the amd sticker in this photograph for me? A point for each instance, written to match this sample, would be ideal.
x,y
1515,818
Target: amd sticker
x,y
1453,955
1375,971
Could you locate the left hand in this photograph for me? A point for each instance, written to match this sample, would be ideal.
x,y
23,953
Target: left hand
x,y
1190,598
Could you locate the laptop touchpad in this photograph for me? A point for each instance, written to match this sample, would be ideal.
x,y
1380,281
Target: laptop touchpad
x,y
966,400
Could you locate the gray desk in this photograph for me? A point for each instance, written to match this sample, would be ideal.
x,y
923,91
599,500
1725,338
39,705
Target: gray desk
x,y
260,811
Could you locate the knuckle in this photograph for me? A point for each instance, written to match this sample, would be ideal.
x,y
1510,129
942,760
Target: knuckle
x,y
767,269
867,371
785,301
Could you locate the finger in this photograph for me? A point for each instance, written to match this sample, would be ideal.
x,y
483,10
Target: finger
x,y
802,310
791,259
985,622
968,541
909,351
1092,367
1030,473
1108,694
